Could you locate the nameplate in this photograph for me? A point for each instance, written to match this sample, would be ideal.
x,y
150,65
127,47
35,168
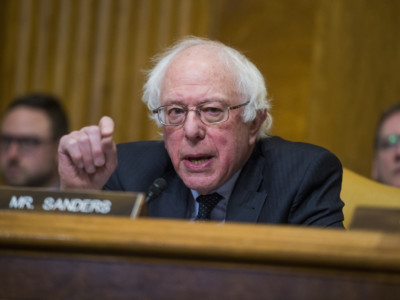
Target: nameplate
x,y
376,218
87,202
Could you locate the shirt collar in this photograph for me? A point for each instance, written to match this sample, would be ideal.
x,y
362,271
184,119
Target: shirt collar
x,y
225,190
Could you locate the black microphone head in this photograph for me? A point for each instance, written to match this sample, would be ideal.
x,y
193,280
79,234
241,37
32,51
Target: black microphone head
x,y
157,187
160,183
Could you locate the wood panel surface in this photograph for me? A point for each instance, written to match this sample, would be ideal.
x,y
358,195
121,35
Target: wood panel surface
x,y
356,58
75,257
92,54
330,66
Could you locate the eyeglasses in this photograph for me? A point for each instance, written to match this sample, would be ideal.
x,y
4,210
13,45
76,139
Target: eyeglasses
x,y
210,113
25,143
389,142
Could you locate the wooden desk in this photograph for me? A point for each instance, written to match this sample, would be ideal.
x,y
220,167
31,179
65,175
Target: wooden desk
x,y
76,257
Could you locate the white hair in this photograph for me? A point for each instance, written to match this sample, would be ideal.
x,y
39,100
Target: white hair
x,y
250,82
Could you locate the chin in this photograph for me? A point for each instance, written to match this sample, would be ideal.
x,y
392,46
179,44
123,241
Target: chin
x,y
202,187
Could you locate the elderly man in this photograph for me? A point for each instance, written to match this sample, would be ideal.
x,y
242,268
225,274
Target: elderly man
x,y
30,130
216,159
386,162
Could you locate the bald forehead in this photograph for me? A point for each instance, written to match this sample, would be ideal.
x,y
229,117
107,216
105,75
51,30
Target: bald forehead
x,y
201,50
204,58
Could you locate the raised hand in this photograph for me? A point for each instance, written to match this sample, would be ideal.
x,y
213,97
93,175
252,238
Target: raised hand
x,y
87,157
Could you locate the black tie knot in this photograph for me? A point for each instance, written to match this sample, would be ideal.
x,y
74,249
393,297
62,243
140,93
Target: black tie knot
x,y
206,205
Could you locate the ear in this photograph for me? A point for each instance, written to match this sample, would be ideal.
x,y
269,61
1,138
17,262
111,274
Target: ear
x,y
255,126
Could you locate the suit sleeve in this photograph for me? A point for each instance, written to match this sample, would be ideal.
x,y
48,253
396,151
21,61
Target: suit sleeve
x,y
139,164
318,200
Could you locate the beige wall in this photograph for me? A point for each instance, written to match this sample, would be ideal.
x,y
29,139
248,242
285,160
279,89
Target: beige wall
x,y
330,65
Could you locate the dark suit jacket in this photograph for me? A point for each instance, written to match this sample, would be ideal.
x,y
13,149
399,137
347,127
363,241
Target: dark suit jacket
x,y
282,183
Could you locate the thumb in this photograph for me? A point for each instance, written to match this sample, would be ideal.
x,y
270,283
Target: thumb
x,y
106,125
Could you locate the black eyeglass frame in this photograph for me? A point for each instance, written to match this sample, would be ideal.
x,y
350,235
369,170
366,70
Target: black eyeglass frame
x,y
389,142
24,143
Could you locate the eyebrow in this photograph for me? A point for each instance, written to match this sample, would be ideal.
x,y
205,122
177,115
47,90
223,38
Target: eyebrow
x,y
21,136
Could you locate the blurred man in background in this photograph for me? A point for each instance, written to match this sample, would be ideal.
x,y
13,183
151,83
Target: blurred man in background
x,y
386,163
30,131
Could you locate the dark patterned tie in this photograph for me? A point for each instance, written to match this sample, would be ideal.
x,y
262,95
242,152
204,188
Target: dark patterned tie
x,y
206,205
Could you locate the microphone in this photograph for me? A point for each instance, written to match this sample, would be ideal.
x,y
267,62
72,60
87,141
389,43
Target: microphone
x,y
156,189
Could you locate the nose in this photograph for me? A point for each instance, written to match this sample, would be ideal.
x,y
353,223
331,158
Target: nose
x,y
193,127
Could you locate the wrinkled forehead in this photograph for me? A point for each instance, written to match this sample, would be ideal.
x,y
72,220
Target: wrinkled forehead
x,y
214,57
201,64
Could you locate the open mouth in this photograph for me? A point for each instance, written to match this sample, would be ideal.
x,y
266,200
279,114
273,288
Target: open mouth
x,y
198,160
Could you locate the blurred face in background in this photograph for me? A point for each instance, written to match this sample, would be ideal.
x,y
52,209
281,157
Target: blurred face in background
x,y
28,151
386,165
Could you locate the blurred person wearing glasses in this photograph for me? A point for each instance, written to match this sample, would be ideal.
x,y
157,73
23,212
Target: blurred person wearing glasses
x,y
30,131
386,162
216,158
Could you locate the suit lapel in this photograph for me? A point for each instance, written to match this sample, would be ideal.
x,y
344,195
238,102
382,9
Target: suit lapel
x,y
248,198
